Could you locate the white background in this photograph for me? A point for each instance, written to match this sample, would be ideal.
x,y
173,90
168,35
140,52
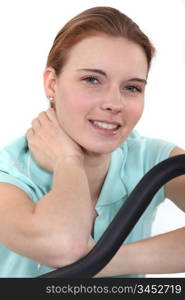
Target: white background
x,y
27,30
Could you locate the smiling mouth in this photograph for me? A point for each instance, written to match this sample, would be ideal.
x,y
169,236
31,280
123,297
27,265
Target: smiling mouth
x,y
105,126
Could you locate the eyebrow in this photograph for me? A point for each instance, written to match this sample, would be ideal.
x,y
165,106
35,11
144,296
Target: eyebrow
x,y
94,70
139,80
104,74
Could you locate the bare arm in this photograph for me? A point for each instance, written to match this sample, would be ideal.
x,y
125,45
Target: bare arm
x,y
55,231
160,254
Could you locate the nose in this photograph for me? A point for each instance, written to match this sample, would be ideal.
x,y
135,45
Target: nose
x,y
113,101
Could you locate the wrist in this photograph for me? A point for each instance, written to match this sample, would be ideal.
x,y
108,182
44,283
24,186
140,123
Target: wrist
x,y
68,159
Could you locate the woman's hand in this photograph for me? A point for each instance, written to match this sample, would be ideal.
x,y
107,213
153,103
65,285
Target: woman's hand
x,y
49,143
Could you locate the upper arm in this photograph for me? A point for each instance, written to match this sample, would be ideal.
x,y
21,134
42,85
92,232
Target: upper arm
x,y
175,188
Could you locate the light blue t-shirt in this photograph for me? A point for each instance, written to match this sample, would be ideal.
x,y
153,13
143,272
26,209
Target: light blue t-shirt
x,y
134,158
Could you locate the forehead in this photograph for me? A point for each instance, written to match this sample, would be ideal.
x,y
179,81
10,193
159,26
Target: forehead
x,y
113,54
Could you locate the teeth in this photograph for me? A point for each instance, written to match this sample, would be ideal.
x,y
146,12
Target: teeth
x,y
104,125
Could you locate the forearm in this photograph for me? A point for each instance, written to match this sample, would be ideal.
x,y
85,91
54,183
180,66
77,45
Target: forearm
x,y
66,211
161,254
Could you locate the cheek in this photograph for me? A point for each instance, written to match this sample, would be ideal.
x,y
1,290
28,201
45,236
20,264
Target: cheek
x,y
78,101
72,104
135,112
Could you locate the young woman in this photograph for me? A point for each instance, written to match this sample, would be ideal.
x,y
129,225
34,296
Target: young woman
x,y
64,181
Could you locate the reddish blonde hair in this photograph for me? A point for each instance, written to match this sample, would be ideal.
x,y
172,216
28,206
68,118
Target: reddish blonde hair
x,y
92,22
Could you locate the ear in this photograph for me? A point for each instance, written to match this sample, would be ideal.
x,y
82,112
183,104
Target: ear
x,y
50,79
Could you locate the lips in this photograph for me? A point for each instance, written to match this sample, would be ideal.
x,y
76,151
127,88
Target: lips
x,y
105,125
104,128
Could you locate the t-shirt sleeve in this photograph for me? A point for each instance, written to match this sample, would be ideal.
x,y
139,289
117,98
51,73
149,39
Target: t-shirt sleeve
x,y
12,173
157,150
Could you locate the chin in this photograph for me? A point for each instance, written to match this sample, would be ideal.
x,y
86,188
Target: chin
x,y
101,149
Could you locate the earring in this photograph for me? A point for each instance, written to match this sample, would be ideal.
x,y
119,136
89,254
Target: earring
x,y
51,100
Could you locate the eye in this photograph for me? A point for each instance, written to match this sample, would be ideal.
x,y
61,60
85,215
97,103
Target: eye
x,y
91,79
133,88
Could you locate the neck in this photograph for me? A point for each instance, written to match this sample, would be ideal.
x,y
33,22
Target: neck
x,y
96,166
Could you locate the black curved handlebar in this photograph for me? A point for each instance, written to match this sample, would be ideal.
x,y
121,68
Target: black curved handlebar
x,y
124,221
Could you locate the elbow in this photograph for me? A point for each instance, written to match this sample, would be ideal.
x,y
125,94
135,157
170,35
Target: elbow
x,y
63,252
72,252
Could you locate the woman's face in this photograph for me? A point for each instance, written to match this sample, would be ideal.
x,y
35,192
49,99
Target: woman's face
x,y
99,94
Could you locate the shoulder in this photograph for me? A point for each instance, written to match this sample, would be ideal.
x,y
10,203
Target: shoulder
x,y
14,166
144,151
18,167
14,153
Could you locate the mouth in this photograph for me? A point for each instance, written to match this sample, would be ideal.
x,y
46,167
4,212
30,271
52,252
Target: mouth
x,y
105,127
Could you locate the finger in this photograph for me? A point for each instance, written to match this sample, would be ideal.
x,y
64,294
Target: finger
x,y
43,117
51,114
29,133
35,123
